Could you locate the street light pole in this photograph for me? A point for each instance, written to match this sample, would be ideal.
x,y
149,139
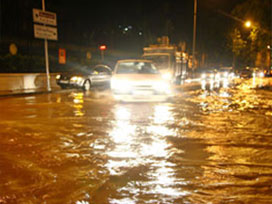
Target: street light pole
x,y
46,56
194,35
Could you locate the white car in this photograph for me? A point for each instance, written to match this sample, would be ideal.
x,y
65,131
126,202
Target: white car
x,y
139,80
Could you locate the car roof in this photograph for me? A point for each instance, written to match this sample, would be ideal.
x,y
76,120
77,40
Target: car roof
x,y
134,60
102,65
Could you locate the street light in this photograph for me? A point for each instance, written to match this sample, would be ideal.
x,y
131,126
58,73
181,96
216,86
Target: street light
x,y
248,24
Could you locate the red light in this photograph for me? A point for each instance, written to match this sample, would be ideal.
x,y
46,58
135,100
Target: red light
x,y
103,47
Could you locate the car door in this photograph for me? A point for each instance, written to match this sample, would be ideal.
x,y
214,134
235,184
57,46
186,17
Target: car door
x,y
101,75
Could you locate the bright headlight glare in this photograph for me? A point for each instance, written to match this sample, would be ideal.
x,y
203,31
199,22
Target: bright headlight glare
x,y
122,86
261,74
162,87
203,76
166,76
58,76
76,78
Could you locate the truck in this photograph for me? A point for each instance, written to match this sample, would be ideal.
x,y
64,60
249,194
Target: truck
x,y
170,60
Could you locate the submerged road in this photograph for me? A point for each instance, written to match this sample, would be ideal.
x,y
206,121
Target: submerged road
x,y
206,146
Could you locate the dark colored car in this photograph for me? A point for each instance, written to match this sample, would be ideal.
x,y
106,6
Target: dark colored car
x,y
268,72
99,75
246,73
252,72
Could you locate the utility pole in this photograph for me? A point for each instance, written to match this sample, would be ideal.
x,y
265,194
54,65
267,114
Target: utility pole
x,y
194,35
0,20
46,56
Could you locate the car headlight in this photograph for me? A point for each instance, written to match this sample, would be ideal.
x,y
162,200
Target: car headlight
x,y
76,79
162,87
58,76
166,76
261,74
120,86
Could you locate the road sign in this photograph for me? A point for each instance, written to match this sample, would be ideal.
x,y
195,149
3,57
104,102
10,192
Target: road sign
x,y
62,56
13,49
44,17
45,32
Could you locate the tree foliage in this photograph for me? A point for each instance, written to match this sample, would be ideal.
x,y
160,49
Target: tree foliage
x,y
238,44
246,43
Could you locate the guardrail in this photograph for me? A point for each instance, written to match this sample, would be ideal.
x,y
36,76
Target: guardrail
x,y
16,82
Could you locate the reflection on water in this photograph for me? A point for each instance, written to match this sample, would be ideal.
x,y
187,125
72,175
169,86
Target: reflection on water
x,y
78,104
143,144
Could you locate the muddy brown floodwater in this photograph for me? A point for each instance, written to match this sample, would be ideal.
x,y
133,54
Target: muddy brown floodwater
x,y
207,146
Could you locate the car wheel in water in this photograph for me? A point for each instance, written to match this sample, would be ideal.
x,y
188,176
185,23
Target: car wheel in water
x,y
87,85
63,86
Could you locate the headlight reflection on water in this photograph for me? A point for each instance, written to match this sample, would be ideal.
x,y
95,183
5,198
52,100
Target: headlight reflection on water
x,y
78,100
138,145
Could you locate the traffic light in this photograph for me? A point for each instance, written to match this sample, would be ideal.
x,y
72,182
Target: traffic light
x,y
103,47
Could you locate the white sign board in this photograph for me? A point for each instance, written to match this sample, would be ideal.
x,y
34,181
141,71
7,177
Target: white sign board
x,y
45,32
44,17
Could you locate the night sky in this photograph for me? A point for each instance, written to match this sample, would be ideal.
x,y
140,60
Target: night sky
x,y
126,25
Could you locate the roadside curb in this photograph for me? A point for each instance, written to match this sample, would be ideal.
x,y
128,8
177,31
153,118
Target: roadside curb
x,y
30,92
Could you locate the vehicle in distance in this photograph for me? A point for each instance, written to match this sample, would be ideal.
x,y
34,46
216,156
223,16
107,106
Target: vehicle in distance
x,y
86,78
252,72
139,80
210,74
226,73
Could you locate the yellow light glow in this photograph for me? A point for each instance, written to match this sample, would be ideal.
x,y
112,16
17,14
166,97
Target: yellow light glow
x,y
248,24
78,104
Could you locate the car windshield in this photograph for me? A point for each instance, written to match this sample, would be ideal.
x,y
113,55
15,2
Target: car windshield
x,y
161,61
246,71
136,68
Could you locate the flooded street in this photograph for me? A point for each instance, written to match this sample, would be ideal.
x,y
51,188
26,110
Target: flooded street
x,y
206,146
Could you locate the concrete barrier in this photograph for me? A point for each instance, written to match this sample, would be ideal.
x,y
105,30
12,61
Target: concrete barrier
x,y
16,82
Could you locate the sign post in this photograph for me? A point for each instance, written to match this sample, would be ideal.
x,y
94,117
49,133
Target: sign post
x,y
46,56
45,32
102,49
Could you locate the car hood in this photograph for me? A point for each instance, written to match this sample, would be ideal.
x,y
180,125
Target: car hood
x,y
69,75
138,77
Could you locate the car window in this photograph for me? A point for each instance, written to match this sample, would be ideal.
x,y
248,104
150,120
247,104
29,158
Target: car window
x,y
136,68
101,69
